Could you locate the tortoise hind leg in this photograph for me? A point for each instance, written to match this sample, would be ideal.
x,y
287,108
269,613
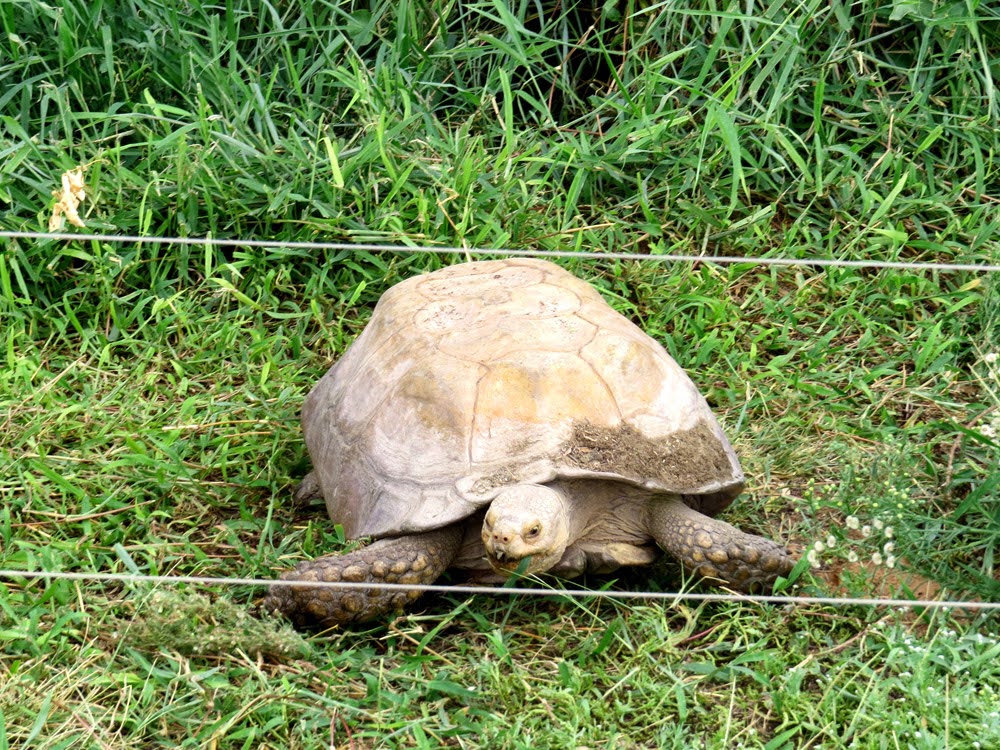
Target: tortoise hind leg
x,y
415,559
713,549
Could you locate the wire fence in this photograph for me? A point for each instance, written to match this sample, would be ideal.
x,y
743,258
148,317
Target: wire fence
x,y
675,596
135,578
508,252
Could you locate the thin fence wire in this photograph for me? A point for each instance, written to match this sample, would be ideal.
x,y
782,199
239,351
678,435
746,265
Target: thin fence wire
x,y
507,252
133,578
840,601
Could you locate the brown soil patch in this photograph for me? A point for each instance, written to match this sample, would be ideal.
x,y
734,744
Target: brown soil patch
x,y
883,582
684,461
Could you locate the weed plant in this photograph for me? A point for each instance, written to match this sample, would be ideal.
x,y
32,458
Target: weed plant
x,y
149,391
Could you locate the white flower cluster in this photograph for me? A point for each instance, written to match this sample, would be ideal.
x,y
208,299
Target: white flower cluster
x,y
991,429
882,556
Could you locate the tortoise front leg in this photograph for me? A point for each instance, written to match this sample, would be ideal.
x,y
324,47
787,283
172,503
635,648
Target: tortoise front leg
x,y
713,549
414,559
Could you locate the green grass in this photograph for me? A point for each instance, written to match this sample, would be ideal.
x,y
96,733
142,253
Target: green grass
x,y
149,393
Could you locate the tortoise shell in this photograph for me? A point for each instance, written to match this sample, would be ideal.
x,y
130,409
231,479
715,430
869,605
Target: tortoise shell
x,y
492,373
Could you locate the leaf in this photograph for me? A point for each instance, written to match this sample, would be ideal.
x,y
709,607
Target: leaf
x,y
331,154
70,196
450,688
886,204
903,8
40,720
780,740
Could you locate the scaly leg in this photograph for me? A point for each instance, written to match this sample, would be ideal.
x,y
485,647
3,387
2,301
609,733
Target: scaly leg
x,y
713,549
415,559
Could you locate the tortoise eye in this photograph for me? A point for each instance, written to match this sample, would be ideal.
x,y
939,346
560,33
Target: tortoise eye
x,y
535,530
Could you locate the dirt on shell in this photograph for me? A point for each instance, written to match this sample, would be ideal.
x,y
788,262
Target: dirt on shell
x,y
685,460
504,477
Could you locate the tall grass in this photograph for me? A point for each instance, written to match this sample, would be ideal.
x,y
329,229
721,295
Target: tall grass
x,y
149,392
804,129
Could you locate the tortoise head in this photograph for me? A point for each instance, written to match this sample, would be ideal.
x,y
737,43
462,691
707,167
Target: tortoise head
x,y
526,521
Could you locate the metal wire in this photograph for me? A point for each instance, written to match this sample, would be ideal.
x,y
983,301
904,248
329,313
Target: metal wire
x,y
505,590
720,259
843,601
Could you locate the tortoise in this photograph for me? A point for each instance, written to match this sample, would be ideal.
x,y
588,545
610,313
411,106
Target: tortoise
x,y
493,412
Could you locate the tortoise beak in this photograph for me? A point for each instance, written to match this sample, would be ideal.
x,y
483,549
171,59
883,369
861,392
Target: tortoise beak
x,y
502,560
503,563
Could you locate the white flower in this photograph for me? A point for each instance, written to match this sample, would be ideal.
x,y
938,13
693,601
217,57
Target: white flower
x,y
890,561
888,547
831,541
813,558
888,532
877,558
991,358
866,531
877,523
853,522
852,556
819,546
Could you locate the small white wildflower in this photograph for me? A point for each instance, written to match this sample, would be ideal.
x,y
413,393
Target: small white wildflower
x,y
888,532
991,357
890,561
877,558
852,556
887,548
988,431
877,523
853,522
866,531
831,541
819,546
813,558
